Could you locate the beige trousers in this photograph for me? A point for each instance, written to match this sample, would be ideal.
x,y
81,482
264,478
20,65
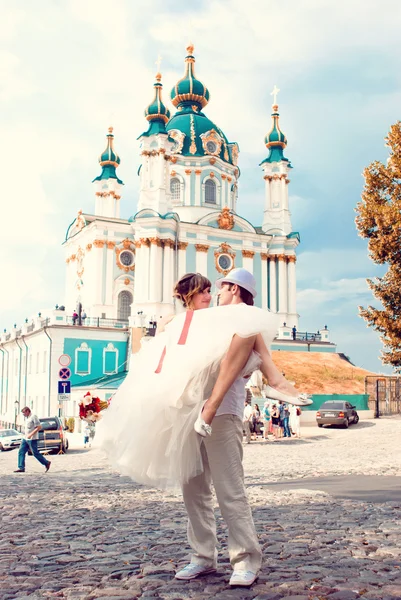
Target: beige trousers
x,y
222,461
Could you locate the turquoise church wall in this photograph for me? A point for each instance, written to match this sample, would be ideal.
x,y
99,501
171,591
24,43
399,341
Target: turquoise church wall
x,y
96,358
191,259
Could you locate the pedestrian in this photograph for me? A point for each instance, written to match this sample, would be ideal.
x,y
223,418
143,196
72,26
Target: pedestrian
x,y
281,423
30,441
74,317
266,421
286,421
295,420
86,435
83,317
247,421
294,333
275,417
255,421
92,432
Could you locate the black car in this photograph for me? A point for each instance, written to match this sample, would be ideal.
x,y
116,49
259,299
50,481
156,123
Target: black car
x,y
336,412
52,436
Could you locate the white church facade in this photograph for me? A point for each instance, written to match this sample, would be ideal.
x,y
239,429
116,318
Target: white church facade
x,y
122,271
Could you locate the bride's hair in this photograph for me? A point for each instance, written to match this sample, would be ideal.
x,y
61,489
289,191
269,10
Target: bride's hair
x,y
189,285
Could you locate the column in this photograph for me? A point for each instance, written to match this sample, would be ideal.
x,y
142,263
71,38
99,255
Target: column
x,y
109,272
201,258
247,260
187,201
198,187
292,285
167,271
145,271
282,284
273,283
155,270
264,282
138,271
182,258
267,179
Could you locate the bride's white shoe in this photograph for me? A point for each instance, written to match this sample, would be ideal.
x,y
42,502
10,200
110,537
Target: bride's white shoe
x,y
201,427
299,400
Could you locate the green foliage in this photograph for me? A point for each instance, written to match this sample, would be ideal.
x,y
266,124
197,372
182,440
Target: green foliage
x,y
379,221
71,424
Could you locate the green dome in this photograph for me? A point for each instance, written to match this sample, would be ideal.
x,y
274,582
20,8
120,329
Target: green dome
x,y
189,90
109,160
157,111
200,132
275,137
275,140
109,156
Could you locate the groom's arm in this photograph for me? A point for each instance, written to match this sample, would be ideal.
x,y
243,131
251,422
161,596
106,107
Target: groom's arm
x,y
230,368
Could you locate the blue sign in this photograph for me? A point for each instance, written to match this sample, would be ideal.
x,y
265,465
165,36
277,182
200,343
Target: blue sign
x,y
64,387
64,373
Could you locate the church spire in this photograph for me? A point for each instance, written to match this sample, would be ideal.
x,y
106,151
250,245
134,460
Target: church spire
x,y
157,112
107,184
275,140
190,91
109,160
276,218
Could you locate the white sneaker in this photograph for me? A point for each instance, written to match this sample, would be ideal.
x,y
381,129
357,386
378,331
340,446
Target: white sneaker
x,y
193,570
243,578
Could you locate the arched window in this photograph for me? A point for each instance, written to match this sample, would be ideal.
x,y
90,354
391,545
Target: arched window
x,y
124,305
175,189
210,191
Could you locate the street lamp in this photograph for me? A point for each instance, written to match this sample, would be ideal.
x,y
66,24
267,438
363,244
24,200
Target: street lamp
x,y
16,405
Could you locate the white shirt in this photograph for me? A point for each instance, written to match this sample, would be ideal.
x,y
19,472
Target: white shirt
x,y
248,412
233,401
30,424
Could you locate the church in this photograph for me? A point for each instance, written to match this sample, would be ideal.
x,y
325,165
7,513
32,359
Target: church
x,y
120,273
186,219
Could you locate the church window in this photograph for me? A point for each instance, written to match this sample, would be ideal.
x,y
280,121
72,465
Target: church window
x,y
125,300
126,258
175,189
210,191
110,359
83,355
225,262
211,147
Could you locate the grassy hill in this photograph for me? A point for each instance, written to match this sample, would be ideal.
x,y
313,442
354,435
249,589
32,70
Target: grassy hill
x,y
321,373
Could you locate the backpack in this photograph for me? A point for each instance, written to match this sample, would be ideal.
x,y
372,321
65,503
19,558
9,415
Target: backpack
x,y
299,412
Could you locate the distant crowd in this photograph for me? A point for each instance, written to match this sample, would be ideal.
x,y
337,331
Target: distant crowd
x,y
276,420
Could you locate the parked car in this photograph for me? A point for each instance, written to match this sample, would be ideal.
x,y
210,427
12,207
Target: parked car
x,y
336,412
52,436
9,439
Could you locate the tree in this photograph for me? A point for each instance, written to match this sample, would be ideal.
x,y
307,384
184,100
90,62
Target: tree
x,y
379,220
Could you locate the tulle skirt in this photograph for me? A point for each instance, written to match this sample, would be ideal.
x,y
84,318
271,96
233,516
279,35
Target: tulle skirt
x,y
147,432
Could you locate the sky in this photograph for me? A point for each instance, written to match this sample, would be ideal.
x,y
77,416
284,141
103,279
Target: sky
x,y
71,68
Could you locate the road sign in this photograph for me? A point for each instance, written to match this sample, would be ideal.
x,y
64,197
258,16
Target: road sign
x,y
64,398
64,360
64,373
64,387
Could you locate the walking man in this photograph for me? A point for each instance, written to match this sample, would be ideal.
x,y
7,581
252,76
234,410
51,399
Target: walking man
x,y
30,442
248,412
222,462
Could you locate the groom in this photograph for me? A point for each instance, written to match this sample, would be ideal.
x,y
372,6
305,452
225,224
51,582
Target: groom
x,y
222,453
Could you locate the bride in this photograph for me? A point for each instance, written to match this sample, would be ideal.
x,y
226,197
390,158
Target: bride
x,y
148,431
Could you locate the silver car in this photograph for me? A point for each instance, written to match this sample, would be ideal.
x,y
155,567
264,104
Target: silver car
x,y
10,438
336,412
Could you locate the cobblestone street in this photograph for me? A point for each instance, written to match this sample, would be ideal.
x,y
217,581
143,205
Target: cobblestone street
x,y
83,532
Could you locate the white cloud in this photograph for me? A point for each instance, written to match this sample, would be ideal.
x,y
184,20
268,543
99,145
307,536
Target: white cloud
x,y
71,68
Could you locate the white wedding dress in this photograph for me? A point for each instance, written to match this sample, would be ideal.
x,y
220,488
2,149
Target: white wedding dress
x,y
147,432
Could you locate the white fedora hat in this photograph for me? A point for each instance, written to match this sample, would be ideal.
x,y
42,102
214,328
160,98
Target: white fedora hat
x,y
241,277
